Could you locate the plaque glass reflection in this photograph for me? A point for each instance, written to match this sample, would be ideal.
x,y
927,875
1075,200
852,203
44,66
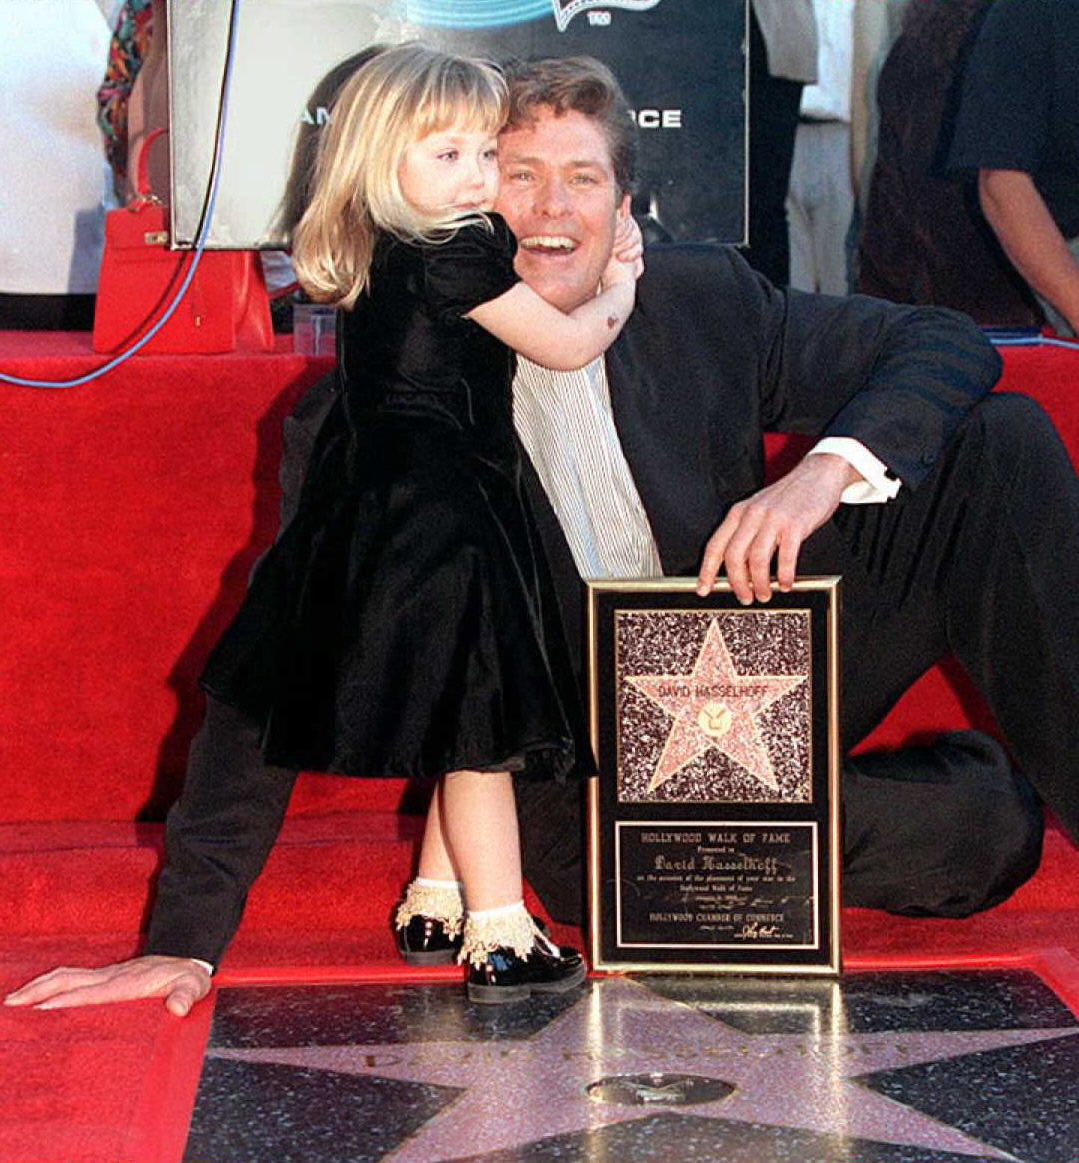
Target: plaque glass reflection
x,y
714,823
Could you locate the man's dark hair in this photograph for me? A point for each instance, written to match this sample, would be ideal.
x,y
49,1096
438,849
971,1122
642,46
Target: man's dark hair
x,y
583,85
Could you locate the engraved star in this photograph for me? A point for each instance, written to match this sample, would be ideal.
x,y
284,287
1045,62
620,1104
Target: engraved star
x,y
714,707
515,1093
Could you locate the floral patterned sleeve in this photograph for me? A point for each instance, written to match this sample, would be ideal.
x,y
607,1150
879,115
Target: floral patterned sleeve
x,y
127,50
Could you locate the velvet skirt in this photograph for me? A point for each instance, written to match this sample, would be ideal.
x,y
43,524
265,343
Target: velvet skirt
x,y
404,623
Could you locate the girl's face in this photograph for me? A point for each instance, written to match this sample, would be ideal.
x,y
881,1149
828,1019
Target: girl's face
x,y
450,170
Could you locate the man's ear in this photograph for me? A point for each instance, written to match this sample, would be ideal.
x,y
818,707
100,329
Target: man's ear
x,y
623,207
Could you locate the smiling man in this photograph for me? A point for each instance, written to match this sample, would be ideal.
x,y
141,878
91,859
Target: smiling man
x,y
950,515
563,191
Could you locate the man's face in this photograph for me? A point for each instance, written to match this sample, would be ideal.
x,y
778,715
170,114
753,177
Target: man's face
x,y
559,196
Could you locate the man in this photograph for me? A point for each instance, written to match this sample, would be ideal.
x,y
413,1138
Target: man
x,y
1018,127
976,553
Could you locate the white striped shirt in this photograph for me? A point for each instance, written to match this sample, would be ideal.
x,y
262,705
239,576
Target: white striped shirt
x,y
565,423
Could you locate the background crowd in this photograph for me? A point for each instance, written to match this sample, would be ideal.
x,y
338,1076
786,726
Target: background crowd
x,y
924,153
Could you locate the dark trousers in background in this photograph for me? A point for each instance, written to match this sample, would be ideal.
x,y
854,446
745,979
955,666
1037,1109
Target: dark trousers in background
x,y
47,312
773,123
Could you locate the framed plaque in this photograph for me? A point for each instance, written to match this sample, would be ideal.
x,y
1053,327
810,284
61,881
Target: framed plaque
x,y
714,823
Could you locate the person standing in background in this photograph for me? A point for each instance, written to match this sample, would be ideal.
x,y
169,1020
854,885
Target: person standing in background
x,y
128,49
923,238
56,183
1018,127
876,26
821,195
782,59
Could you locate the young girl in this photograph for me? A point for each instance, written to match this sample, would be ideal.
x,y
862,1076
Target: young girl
x,y
404,623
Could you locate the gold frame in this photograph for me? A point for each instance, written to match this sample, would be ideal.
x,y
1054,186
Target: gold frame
x,y
830,963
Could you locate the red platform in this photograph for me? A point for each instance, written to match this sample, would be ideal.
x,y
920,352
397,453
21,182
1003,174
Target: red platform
x,y
133,508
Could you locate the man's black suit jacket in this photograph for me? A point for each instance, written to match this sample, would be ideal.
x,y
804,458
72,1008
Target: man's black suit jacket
x,y
713,357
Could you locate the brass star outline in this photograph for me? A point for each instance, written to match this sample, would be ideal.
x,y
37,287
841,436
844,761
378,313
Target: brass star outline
x,y
690,698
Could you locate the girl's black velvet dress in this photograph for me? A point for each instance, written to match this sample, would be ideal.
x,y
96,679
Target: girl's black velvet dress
x,y
404,624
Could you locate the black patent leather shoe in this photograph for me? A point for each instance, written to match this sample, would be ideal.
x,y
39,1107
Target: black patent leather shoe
x,y
424,941
506,976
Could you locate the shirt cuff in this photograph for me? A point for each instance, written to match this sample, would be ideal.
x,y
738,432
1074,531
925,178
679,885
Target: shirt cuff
x,y
877,485
205,964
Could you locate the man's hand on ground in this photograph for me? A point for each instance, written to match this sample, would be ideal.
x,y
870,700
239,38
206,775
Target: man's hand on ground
x,y
180,981
773,523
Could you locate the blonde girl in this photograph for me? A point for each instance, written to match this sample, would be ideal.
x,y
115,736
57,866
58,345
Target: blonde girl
x,y
404,623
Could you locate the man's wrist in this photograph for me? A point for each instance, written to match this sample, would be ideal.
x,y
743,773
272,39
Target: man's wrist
x,y
875,484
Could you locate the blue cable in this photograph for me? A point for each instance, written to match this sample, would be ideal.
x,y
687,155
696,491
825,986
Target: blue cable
x,y
1037,341
203,230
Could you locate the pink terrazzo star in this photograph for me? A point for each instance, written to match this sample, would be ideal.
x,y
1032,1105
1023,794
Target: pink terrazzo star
x,y
516,1093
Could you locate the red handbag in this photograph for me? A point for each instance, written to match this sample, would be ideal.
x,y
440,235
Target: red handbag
x,y
225,307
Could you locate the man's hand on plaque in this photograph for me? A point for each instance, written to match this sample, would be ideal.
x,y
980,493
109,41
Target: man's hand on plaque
x,y
772,524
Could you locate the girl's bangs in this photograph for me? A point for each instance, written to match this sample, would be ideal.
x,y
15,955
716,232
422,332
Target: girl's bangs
x,y
472,101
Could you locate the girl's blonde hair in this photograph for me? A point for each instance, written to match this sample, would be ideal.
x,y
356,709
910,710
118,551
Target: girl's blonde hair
x,y
400,96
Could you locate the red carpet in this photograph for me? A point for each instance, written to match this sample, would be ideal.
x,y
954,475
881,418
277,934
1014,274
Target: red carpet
x,y
89,1086
132,510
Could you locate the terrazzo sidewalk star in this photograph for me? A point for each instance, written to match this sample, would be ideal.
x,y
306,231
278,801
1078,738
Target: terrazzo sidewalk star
x,y
624,1059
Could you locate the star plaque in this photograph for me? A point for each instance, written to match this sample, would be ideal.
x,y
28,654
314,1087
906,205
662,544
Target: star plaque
x,y
714,821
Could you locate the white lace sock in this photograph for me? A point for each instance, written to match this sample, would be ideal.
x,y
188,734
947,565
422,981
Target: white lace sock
x,y
507,927
441,900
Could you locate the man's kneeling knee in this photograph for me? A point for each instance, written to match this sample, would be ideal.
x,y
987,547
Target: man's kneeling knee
x,y
941,830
